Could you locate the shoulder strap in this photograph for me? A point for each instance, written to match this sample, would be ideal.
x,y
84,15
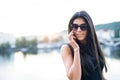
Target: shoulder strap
x,y
71,48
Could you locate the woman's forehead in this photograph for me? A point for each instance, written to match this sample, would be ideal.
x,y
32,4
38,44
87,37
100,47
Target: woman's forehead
x,y
79,21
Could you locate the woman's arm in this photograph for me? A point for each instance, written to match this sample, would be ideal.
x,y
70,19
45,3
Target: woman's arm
x,y
103,76
73,66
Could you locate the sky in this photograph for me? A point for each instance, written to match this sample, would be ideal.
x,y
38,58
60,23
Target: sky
x,y
40,17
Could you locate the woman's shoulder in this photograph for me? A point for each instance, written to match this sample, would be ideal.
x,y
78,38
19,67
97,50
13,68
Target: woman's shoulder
x,y
66,52
65,48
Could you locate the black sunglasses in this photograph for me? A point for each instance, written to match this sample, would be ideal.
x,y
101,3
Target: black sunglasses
x,y
83,27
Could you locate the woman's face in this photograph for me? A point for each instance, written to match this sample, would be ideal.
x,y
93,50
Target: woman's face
x,y
80,28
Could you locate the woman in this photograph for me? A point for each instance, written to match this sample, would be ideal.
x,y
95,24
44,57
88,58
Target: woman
x,y
82,56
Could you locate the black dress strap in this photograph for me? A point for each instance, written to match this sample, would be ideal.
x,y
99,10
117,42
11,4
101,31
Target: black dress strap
x,y
71,48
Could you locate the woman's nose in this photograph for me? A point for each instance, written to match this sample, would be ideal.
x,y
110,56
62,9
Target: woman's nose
x,y
79,29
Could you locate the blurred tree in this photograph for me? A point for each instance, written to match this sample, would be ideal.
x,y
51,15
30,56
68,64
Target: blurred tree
x,y
5,48
33,46
27,46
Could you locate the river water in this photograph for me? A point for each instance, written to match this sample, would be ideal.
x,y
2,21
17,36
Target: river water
x,y
46,66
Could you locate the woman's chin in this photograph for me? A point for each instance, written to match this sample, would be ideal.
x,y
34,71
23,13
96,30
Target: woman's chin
x,y
81,39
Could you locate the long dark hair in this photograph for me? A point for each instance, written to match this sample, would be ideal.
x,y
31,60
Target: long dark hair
x,y
92,43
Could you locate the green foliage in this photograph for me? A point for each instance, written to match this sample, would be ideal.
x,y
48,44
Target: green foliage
x,y
30,46
5,48
22,43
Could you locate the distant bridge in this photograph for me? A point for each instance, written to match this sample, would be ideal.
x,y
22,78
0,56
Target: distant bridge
x,y
111,43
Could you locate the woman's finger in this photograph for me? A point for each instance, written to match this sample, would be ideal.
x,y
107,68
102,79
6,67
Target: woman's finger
x,y
70,34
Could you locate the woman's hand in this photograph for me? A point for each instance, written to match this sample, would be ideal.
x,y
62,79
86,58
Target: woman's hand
x,y
73,43
75,71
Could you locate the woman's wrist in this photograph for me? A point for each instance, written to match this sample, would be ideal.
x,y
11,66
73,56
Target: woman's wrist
x,y
76,50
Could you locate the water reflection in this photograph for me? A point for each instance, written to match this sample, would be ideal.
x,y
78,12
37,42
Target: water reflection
x,y
33,67
112,52
115,52
6,58
48,66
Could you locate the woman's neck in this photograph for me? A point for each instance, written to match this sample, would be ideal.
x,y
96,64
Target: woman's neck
x,y
84,42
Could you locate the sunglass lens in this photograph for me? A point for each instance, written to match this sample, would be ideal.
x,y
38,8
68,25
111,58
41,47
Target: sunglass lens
x,y
83,26
74,26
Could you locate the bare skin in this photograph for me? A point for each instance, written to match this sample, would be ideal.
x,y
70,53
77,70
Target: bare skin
x,y
73,65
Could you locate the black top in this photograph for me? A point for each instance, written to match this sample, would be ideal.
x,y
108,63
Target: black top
x,y
93,71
